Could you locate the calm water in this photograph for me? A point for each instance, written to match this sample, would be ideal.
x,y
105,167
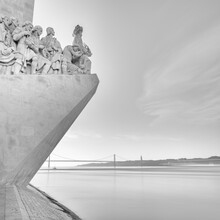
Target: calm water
x,y
175,193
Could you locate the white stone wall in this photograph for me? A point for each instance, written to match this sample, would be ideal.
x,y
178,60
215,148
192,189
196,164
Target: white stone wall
x,y
22,9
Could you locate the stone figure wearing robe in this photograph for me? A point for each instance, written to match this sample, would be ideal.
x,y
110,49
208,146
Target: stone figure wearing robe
x,y
53,50
8,54
14,24
36,45
72,56
21,35
84,62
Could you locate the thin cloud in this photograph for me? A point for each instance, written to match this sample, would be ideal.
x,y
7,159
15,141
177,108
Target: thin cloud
x,y
78,135
187,87
133,137
71,136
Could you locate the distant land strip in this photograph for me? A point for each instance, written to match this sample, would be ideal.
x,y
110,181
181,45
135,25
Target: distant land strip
x,y
213,160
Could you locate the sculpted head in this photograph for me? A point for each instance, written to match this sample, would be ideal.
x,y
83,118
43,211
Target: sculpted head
x,y
78,30
6,20
15,21
28,26
50,31
38,29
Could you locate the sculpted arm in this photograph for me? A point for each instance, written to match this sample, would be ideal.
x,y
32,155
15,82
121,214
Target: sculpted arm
x,y
56,46
41,46
87,50
67,54
18,34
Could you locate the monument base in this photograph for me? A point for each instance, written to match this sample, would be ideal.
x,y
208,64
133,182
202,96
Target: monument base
x,y
35,113
29,203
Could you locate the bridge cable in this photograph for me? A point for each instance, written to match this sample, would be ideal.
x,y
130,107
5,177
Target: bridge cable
x,y
67,158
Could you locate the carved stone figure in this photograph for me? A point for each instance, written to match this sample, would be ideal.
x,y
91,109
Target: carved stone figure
x,y
20,36
8,55
35,44
77,34
53,50
14,24
84,62
72,56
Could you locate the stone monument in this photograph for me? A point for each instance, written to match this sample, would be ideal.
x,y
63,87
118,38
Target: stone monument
x,y
43,89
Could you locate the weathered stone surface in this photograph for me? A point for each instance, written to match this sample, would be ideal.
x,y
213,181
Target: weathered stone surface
x,y
35,113
21,9
29,204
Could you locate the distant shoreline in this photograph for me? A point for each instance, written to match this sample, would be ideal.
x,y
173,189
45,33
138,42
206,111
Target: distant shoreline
x,y
143,168
141,164
213,160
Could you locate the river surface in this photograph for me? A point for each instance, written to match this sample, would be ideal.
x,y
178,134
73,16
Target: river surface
x,y
154,193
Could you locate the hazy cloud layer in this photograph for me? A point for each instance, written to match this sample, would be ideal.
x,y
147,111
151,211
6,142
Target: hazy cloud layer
x,y
137,138
186,86
78,134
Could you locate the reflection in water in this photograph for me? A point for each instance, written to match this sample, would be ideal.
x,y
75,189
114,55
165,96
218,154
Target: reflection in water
x,y
170,193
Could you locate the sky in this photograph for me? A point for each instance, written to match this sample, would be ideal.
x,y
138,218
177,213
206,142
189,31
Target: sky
x,y
158,62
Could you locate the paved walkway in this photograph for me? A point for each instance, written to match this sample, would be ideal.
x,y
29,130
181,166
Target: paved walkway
x,y
9,207
28,204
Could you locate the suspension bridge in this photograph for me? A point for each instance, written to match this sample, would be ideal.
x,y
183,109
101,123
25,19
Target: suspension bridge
x,y
115,160
110,158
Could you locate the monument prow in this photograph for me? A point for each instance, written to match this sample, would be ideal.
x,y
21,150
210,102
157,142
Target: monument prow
x,y
35,112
